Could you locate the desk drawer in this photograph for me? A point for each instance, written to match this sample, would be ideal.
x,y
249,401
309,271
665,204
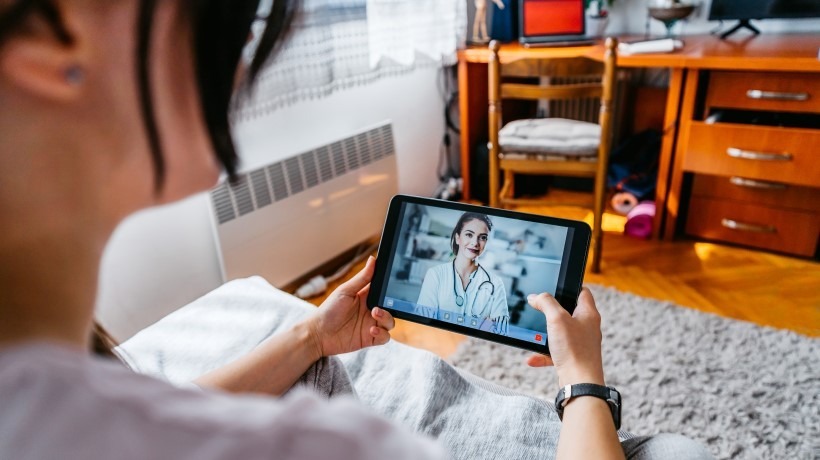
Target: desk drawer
x,y
774,91
787,155
753,191
793,232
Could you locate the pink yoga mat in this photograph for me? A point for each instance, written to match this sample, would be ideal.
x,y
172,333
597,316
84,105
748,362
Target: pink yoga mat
x,y
639,220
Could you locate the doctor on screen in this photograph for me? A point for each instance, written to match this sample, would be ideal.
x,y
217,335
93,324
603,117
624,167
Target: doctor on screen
x,y
463,286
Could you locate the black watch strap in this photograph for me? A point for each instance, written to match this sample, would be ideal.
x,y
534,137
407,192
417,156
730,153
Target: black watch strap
x,y
607,393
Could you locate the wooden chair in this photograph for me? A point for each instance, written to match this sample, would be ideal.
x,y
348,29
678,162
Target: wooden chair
x,y
568,78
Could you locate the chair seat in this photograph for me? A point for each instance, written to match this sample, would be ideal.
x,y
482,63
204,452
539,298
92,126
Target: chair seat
x,y
550,136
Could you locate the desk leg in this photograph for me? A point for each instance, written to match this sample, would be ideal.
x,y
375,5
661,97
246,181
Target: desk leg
x,y
670,133
673,194
472,107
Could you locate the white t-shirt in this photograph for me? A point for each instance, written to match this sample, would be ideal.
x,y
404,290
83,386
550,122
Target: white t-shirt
x,y
61,403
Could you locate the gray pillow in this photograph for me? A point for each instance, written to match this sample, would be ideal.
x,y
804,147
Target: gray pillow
x,y
556,136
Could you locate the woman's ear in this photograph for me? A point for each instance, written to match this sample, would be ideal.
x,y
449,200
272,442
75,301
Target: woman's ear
x,y
42,63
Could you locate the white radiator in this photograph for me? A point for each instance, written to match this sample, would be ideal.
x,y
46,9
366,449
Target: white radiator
x,y
284,220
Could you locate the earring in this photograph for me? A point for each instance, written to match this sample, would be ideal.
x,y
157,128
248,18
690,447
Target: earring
x,y
74,75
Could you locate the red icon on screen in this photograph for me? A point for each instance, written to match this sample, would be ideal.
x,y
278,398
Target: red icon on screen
x,y
537,337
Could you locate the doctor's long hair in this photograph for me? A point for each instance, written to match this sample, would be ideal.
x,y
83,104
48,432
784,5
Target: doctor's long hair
x,y
220,32
467,217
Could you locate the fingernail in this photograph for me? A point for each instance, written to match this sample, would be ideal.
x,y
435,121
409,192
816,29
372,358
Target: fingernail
x,y
531,298
378,312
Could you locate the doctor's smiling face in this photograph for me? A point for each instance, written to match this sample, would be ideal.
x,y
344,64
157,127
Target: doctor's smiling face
x,y
470,235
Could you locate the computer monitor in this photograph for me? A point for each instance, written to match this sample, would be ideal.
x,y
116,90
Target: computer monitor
x,y
763,9
746,10
543,21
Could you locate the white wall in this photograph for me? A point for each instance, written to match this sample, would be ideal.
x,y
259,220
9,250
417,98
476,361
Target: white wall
x,y
161,259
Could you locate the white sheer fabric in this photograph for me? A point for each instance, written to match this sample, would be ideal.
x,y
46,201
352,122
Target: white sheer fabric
x,y
399,29
338,44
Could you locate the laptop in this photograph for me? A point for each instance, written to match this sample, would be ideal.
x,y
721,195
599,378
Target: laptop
x,y
552,23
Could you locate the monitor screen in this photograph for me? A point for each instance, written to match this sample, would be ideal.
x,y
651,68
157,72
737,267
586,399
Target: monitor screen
x,y
552,17
763,9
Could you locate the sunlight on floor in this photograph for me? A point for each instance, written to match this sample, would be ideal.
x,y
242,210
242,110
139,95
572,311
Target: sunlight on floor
x,y
612,222
704,250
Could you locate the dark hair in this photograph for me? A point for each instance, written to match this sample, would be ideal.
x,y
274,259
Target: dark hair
x,y
220,32
467,217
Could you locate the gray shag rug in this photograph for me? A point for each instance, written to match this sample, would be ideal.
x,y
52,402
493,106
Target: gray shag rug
x,y
745,391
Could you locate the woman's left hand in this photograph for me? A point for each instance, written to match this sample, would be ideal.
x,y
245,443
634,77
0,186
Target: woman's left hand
x,y
344,323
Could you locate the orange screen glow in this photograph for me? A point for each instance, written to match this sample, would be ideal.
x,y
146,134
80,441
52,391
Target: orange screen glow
x,y
553,17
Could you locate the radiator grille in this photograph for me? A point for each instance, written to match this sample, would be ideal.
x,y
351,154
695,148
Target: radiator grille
x,y
309,168
261,187
294,175
339,163
261,191
325,168
277,180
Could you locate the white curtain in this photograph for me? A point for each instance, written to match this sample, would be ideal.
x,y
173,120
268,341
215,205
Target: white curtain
x,y
399,29
337,44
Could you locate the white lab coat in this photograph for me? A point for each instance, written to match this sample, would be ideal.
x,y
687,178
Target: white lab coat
x,y
440,286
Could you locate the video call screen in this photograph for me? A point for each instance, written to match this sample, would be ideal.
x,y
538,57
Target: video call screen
x,y
475,270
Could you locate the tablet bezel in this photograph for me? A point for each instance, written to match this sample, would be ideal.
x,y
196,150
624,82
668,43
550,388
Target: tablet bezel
x,y
578,249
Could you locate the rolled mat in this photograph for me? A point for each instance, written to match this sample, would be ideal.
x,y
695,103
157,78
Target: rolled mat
x,y
639,220
623,202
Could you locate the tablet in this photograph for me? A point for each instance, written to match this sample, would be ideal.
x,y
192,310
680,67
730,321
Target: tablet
x,y
469,269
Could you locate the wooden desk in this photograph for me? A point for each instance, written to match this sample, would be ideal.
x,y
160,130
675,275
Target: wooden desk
x,y
701,54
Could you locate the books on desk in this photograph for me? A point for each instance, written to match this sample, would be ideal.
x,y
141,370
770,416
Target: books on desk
x,y
663,45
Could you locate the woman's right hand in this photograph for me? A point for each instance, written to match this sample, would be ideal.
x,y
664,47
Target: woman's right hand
x,y
574,340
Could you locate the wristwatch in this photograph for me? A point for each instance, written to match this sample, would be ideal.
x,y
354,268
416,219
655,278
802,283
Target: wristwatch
x,y
607,393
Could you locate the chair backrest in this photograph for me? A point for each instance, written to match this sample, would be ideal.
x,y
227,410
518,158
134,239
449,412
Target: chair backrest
x,y
576,87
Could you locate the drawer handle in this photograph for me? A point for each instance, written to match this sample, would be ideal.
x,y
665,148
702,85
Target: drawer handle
x,y
776,96
735,225
751,183
763,156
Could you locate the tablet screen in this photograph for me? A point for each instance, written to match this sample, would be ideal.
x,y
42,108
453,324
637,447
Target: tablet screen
x,y
472,269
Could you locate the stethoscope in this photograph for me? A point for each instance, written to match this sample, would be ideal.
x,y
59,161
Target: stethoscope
x,y
459,298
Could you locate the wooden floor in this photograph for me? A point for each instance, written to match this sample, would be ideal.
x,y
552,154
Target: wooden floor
x,y
764,288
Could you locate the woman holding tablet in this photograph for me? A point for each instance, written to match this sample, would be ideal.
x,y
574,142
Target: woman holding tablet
x,y
463,287
107,108
111,107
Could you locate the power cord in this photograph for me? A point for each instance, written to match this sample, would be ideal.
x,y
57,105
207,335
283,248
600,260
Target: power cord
x,y
450,183
318,284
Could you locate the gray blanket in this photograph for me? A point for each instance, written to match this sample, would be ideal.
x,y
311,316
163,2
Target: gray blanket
x,y
474,418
